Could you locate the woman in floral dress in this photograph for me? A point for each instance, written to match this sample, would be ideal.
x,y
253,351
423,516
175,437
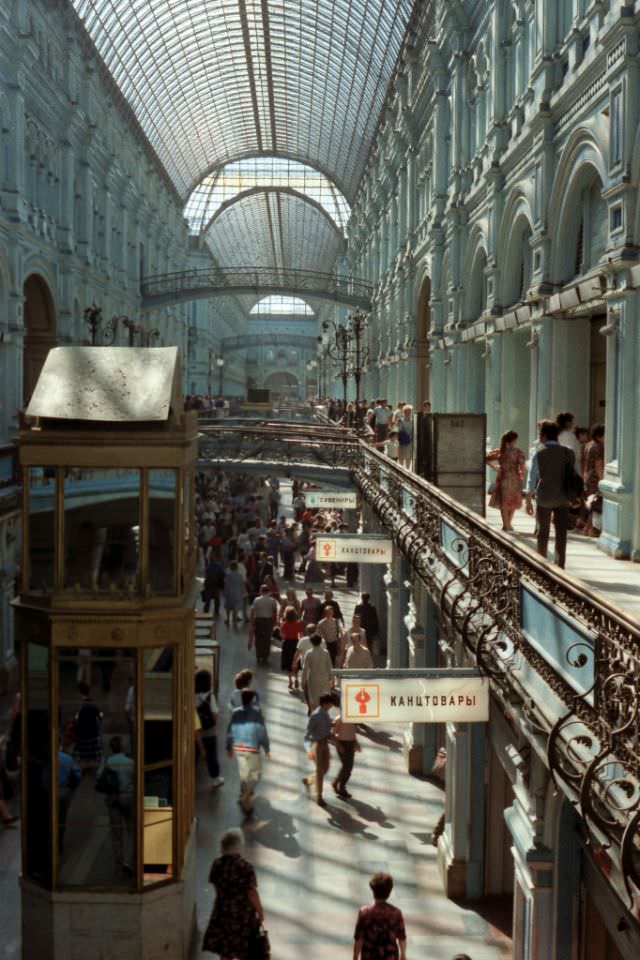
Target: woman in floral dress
x,y
509,461
237,912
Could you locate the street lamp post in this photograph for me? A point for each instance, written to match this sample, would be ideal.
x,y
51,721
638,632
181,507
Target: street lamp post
x,y
358,326
220,366
339,351
108,330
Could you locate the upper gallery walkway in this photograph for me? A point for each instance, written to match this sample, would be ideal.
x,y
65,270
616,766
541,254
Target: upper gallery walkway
x,y
328,453
617,580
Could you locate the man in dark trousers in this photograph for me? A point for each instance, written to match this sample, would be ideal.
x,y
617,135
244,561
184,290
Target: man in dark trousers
x,y
547,483
368,618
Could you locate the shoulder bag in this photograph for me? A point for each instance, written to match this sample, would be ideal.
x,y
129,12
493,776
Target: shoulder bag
x,y
573,485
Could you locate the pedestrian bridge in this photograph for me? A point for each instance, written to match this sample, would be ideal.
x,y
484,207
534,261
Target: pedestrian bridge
x,y
170,288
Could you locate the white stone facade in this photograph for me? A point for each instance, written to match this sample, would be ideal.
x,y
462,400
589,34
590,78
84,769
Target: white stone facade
x,y
499,218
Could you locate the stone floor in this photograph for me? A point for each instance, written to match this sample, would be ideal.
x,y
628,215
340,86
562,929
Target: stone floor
x,y
312,863
617,580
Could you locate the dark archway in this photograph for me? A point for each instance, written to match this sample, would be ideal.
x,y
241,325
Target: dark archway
x,y
423,331
283,385
40,331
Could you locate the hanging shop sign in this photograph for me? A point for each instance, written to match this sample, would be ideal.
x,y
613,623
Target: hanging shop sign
x,y
332,499
416,700
362,549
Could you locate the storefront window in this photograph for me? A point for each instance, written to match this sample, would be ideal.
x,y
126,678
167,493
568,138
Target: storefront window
x,y
42,502
102,529
96,767
37,765
162,526
159,827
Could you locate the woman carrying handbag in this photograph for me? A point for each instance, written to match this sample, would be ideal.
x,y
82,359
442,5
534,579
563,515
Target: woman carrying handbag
x,y
235,930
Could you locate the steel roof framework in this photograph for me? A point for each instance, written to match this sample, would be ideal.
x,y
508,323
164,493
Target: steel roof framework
x,y
211,82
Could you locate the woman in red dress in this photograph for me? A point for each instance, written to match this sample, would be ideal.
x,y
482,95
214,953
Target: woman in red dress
x,y
290,632
509,461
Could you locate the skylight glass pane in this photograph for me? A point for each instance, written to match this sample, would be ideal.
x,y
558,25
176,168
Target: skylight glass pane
x,y
276,305
236,178
211,81
275,230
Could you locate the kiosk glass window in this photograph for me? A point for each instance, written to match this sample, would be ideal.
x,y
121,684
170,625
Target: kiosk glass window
x,y
42,536
162,527
96,810
37,765
102,530
159,814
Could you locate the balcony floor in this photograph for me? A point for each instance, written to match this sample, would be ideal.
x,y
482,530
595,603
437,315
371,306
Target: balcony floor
x,y
617,580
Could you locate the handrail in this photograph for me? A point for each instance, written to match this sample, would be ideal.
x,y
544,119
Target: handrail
x,y
184,284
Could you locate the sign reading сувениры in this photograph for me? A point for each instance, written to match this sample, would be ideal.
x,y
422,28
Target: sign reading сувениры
x,y
332,499
354,549
416,700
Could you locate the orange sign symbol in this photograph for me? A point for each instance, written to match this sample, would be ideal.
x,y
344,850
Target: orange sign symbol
x,y
326,547
362,698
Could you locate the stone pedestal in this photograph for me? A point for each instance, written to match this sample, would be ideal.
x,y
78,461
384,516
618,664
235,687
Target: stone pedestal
x,y
112,926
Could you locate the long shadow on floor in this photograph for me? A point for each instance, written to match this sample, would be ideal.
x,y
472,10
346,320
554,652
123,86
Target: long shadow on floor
x,y
341,818
372,814
272,828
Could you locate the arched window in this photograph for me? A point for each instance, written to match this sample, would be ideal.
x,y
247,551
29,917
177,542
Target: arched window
x,y
278,305
517,266
592,228
476,300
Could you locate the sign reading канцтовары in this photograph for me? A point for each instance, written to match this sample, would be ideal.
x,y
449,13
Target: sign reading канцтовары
x,y
363,549
416,700
328,499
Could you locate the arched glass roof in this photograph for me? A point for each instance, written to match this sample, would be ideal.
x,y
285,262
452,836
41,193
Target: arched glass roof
x,y
274,229
235,178
215,80
277,305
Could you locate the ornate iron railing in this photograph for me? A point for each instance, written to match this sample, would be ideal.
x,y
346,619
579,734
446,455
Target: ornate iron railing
x,y
483,583
169,288
286,442
479,579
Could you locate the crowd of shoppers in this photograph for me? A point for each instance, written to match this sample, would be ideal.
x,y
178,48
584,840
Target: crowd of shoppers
x,y
241,532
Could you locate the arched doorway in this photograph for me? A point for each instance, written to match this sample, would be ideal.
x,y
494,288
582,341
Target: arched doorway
x,y
40,331
283,385
423,329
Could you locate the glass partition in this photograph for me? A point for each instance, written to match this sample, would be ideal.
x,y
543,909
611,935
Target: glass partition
x,y
102,529
42,505
162,529
37,766
96,767
159,819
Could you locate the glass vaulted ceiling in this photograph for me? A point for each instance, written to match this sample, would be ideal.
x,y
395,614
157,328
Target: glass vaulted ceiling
x,y
236,178
216,80
276,230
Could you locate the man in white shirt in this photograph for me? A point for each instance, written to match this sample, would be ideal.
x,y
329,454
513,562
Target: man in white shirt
x,y
358,656
381,415
331,632
264,610
568,438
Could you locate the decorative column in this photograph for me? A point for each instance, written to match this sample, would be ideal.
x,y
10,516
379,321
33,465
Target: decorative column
x,y
392,590
421,739
619,487
461,846
67,189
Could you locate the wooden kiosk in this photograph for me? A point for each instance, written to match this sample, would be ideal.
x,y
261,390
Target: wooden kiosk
x,y
104,623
